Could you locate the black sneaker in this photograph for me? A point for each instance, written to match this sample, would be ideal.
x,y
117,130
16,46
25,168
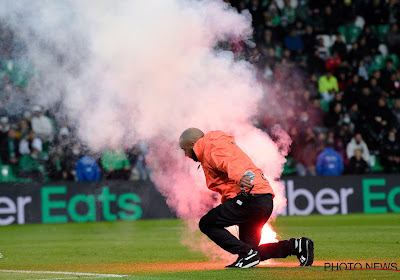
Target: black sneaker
x,y
304,248
245,261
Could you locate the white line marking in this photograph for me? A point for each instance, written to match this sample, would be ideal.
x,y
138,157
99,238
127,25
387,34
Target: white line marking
x,y
62,278
63,272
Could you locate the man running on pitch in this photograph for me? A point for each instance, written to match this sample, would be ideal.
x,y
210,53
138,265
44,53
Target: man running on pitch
x,y
247,200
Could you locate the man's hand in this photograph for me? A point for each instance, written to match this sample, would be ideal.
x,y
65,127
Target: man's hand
x,y
245,182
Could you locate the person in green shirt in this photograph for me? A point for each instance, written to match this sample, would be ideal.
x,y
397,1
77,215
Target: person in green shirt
x,y
328,86
288,13
116,165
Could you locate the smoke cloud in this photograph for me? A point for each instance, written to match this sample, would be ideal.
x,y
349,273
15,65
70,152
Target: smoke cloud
x,y
124,71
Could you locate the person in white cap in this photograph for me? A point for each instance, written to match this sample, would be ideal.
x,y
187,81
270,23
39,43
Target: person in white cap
x,y
4,125
41,125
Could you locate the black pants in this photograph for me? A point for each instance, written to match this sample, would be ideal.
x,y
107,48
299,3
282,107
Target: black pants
x,y
250,215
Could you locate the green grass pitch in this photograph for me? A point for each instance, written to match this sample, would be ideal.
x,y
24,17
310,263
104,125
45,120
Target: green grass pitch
x,y
151,249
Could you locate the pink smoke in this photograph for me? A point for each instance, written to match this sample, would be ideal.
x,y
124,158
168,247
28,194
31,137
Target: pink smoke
x,y
147,70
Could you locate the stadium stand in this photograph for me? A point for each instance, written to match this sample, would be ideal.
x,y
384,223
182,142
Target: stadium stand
x,y
340,56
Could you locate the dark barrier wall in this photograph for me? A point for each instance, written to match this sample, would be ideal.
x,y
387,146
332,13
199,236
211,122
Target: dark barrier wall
x,y
330,195
60,202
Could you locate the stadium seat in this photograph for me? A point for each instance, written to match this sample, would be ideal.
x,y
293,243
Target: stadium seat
x,y
395,59
7,174
375,164
378,62
350,32
353,32
342,29
373,30
383,49
265,3
359,22
382,31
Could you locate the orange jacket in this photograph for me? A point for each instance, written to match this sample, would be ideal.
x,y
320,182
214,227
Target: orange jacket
x,y
224,164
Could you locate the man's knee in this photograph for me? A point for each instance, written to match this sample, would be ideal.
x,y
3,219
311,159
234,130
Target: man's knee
x,y
204,225
208,221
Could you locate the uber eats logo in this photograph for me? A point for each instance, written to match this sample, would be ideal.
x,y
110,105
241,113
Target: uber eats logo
x,y
57,206
377,200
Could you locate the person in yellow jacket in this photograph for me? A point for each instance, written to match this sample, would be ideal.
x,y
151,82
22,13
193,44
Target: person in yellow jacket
x,y
327,86
247,200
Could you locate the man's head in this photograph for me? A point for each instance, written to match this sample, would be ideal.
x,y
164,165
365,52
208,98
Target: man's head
x,y
5,126
358,138
37,110
358,154
187,140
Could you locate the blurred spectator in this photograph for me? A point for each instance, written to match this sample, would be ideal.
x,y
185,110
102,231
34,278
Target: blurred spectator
x,y
323,50
332,63
343,82
390,153
41,125
116,165
370,38
362,70
23,128
62,162
309,39
376,12
382,116
357,164
268,40
302,10
331,21
348,12
315,63
64,140
340,148
29,166
329,162
294,42
144,170
339,46
306,154
396,111
300,28
357,143
268,74
30,142
87,170
354,114
288,14
393,39
4,128
9,149
334,116
355,55
327,86
392,86
316,21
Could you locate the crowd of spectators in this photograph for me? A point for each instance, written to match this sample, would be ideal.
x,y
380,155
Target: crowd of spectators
x,y
36,145
330,70
36,148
